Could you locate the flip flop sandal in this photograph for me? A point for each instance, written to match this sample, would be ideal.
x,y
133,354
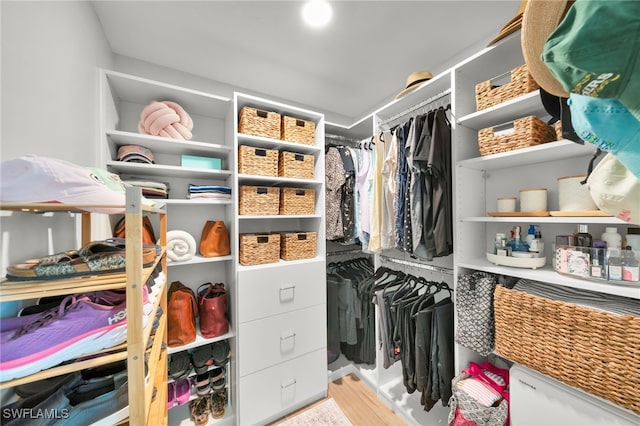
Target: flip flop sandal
x,y
179,365
218,378
95,258
199,409
171,397
220,352
201,358
203,384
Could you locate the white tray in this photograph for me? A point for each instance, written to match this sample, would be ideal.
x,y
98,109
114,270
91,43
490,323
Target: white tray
x,y
518,262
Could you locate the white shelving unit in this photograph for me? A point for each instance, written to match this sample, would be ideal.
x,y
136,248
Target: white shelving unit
x,y
142,408
123,98
280,310
479,181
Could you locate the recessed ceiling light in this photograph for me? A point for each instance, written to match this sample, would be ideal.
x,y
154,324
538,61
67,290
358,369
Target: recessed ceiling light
x,y
317,13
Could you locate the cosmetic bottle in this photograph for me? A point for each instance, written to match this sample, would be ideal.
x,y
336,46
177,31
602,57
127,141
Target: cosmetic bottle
x,y
516,244
630,266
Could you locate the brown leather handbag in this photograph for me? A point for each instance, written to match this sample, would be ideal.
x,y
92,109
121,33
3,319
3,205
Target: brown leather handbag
x,y
148,236
182,310
214,240
212,307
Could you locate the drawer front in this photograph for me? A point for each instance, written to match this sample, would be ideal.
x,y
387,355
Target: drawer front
x,y
279,338
275,390
270,291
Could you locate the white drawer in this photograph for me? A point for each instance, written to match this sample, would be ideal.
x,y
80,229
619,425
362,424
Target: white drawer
x,y
279,338
264,292
273,391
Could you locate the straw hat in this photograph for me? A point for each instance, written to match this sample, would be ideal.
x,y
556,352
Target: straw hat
x,y
512,26
413,82
540,18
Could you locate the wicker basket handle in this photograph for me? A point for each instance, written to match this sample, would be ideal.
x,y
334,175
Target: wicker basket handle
x,y
504,129
300,123
261,113
302,237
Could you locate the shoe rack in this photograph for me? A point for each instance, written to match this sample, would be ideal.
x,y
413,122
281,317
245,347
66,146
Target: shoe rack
x,y
142,381
124,96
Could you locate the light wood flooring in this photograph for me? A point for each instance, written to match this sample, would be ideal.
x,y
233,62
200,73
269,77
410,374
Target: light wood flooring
x,y
358,402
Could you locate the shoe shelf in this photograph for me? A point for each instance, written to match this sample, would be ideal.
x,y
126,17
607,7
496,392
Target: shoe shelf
x,y
201,341
180,416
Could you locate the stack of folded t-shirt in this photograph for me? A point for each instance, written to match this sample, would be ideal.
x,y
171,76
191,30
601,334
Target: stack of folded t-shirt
x,y
209,191
151,189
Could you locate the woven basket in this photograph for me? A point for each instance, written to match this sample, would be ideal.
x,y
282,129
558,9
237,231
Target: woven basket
x,y
258,122
487,94
297,201
293,165
257,161
300,245
258,249
300,131
596,351
521,133
557,127
258,200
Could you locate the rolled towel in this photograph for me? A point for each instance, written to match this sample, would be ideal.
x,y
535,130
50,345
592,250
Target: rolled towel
x,y
166,119
181,246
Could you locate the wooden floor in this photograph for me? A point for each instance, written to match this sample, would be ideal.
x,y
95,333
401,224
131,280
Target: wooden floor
x,y
358,402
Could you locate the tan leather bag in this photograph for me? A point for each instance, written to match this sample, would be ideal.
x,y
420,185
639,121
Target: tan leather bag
x,y
215,239
182,310
148,236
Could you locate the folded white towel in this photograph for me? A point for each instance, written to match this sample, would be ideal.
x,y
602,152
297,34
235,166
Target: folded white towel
x,y
181,246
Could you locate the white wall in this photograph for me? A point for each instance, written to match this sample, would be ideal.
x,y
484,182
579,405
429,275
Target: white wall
x,y
51,53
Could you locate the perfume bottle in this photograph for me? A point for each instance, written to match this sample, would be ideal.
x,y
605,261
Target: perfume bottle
x,y
516,243
583,238
630,266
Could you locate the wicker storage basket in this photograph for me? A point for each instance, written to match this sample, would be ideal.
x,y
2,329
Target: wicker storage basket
x,y
521,82
300,131
258,200
596,351
557,127
297,201
257,161
257,249
293,165
298,245
521,133
258,122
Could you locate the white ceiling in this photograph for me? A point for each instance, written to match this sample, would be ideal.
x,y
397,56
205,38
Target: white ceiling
x,y
357,63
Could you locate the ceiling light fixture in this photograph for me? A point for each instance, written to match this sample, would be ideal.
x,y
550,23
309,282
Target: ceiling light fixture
x,y
317,13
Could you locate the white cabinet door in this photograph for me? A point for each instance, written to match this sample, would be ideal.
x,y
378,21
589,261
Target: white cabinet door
x,y
279,338
271,291
275,390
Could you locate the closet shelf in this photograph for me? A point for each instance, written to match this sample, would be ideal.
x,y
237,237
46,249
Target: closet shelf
x,y
276,181
522,106
17,290
548,275
163,145
268,143
606,220
279,216
196,201
200,259
132,89
550,151
167,171
281,263
200,340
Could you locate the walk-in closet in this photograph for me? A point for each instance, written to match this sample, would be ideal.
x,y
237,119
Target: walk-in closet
x,y
319,212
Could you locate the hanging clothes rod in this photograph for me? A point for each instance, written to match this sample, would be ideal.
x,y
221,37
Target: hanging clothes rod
x,y
339,138
419,265
416,107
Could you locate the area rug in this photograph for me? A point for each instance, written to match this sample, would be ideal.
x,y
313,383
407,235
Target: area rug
x,y
325,413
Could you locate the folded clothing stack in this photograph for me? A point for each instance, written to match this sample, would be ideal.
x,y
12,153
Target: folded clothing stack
x,y
150,189
209,191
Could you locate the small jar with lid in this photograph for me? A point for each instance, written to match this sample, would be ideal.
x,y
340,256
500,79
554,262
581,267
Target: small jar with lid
x,y
612,238
632,238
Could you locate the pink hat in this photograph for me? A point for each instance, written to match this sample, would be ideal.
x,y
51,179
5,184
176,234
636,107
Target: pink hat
x,y
34,179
